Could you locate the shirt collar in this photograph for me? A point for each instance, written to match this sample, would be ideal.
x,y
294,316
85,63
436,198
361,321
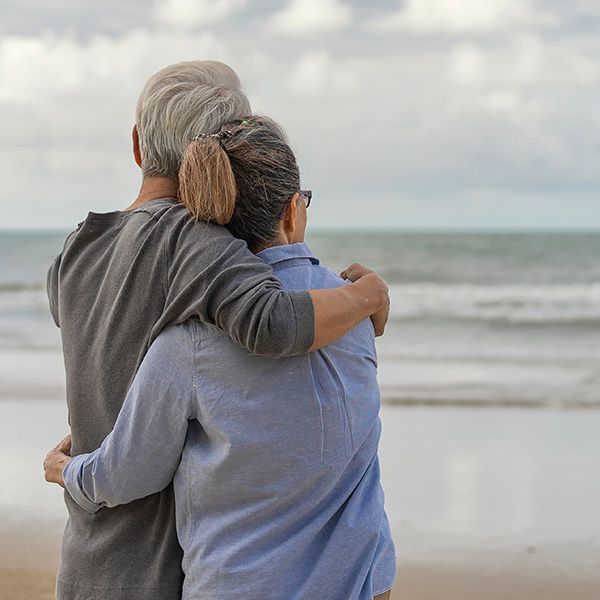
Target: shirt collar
x,y
279,254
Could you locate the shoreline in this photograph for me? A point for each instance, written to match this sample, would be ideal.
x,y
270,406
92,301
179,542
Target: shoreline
x,y
55,395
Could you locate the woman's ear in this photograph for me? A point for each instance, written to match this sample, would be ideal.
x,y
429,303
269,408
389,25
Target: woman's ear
x,y
291,215
137,154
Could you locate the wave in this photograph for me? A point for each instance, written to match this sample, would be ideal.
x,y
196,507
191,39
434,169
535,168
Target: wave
x,y
11,287
536,304
515,303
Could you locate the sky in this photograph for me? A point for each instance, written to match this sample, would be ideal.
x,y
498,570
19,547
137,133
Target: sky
x,y
414,114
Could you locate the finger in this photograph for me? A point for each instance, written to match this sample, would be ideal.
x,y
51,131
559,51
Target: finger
x,y
64,446
347,272
354,272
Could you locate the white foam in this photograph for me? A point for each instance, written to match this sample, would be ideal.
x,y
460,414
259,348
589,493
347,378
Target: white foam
x,y
512,303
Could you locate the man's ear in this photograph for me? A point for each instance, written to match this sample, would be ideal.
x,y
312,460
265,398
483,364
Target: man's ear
x,y
137,154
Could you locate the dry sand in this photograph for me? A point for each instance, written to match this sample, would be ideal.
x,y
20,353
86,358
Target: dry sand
x,y
415,582
29,556
26,584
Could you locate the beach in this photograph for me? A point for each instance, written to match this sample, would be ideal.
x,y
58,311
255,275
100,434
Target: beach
x,y
489,369
483,502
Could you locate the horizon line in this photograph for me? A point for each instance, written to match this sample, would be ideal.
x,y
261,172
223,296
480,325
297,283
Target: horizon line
x,y
373,229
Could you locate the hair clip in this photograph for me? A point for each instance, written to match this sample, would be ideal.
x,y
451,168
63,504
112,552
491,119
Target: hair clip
x,y
221,135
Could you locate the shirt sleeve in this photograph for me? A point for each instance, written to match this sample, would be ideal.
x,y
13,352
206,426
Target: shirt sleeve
x,y
52,288
52,280
141,454
214,277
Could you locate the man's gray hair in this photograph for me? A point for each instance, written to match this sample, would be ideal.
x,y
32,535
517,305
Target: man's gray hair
x,y
180,102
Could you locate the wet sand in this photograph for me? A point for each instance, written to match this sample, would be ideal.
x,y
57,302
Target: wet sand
x,y
485,504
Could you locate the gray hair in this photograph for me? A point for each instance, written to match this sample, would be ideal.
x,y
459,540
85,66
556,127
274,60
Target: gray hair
x,y
243,178
181,102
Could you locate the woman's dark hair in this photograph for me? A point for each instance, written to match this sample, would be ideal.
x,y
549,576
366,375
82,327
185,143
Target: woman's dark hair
x,y
242,177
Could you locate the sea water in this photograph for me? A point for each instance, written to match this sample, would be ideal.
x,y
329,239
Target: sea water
x,y
476,318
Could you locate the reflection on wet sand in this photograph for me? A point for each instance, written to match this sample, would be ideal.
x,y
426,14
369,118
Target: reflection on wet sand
x,y
484,503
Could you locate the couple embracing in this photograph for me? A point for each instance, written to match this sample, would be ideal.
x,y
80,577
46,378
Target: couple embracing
x,y
221,382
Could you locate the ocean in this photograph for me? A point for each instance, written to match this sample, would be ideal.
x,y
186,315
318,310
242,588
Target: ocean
x,y
477,318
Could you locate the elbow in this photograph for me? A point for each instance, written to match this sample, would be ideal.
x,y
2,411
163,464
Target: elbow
x,y
265,345
282,324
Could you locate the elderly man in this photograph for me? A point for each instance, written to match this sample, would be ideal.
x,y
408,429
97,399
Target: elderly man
x,y
123,276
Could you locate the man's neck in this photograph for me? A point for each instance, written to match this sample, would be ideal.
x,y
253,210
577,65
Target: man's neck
x,y
153,188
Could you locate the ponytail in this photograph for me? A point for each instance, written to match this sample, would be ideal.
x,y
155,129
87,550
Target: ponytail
x,y
207,185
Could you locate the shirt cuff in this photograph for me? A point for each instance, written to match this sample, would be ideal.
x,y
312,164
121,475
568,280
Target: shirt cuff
x,y
304,312
72,479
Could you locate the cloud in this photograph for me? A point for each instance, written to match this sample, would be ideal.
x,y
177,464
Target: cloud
x,y
40,69
309,16
519,61
523,60
316,72
379,123
467,64
68,108
585,8
473,16
191,14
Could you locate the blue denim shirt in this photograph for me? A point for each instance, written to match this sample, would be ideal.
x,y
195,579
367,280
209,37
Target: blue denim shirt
x,y
274,461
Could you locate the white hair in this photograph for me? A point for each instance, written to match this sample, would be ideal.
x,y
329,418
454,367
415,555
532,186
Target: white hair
x,y
180,102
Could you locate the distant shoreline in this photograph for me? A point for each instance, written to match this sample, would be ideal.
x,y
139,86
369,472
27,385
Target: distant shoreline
x,y
342,230
44,394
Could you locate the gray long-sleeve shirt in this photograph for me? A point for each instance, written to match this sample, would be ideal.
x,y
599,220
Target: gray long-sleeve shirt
x,y
121,278
275,460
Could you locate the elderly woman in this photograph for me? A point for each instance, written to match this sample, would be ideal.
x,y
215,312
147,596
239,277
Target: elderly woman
x,y
274,461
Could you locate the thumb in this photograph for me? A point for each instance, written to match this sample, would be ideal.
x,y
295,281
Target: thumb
x,y
64,445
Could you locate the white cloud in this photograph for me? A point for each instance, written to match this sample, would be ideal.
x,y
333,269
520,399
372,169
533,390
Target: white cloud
x,y
317,72
455,16
520,60
41,69
467,64
69,108
523,60
190,14
309,16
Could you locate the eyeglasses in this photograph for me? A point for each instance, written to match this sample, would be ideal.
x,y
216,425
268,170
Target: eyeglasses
x,y
306,195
